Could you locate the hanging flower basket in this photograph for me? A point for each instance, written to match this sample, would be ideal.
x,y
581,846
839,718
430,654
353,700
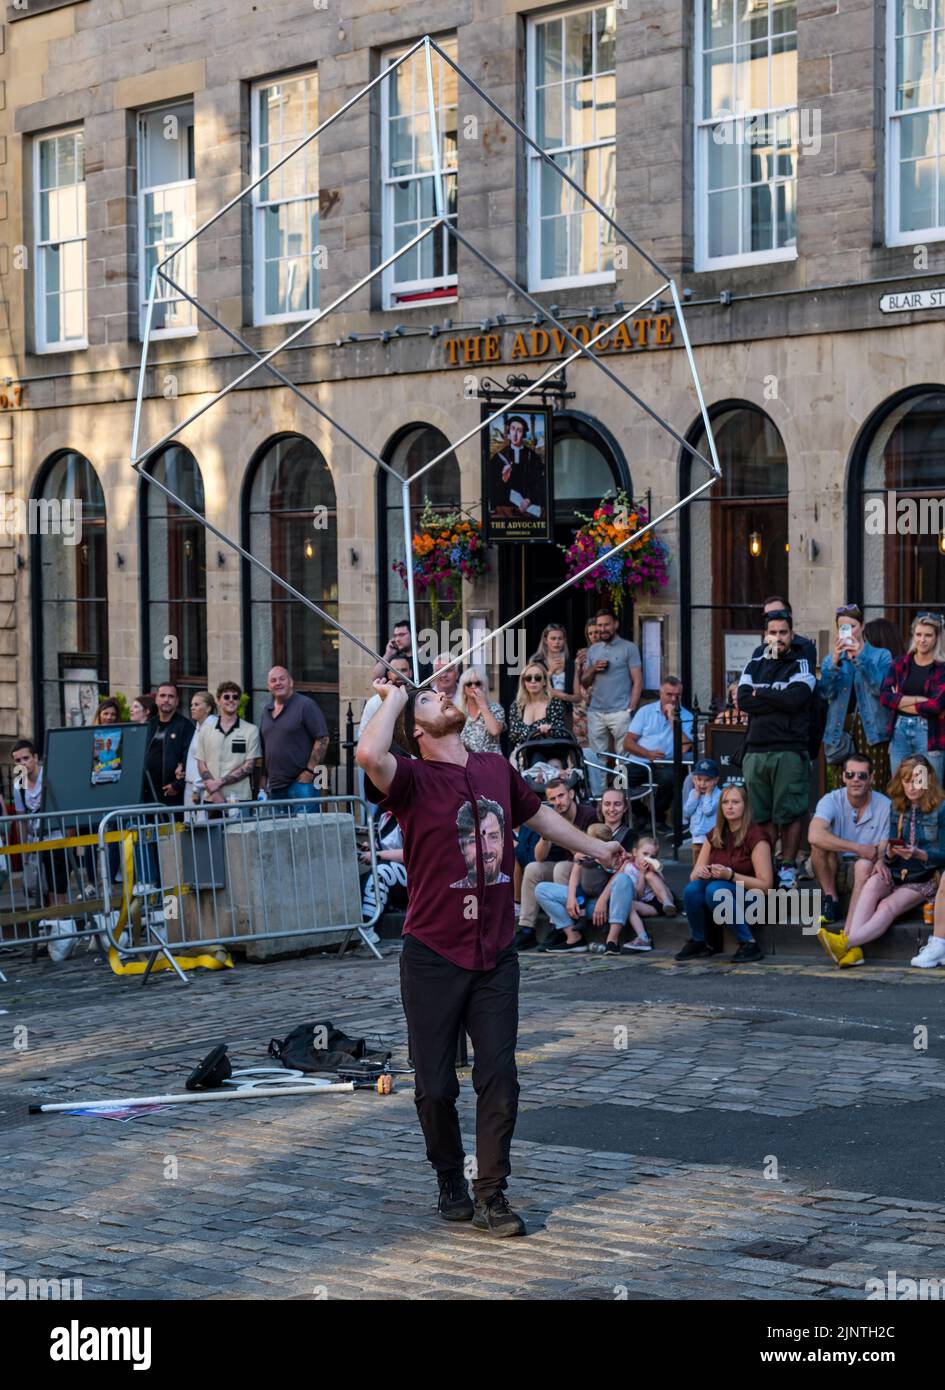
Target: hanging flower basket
x,y
447,549
639,569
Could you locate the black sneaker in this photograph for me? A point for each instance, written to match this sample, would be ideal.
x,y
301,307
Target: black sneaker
x,y
525,939
554,938
566,947
454,1203
612,948
830,909
694,949
748,950
498,1218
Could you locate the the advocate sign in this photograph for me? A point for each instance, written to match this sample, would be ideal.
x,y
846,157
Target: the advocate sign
x,y
527,344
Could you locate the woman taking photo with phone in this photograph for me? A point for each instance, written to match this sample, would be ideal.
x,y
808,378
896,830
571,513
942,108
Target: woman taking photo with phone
x,y
851,678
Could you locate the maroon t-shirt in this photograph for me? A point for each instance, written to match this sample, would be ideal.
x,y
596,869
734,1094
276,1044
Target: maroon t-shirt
x,y
459,882
738,857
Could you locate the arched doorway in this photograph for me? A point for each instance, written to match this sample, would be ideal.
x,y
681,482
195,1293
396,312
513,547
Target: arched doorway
x,y
896,506
69,567
733,545
289,522
173,576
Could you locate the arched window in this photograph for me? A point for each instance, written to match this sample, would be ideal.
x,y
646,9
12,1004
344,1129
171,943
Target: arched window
x,y
734,545
70,593
896,542
174,576
289,524
410,449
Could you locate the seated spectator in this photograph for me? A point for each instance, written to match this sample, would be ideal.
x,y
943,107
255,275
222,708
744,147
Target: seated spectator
x,y
485,717
933,952
651,893
735,852
391,872
650,737
535,712
701,806
549,858
614,812
845,834
590,891
903,876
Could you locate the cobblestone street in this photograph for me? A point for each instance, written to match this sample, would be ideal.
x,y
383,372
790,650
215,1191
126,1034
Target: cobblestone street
x,y
700,1133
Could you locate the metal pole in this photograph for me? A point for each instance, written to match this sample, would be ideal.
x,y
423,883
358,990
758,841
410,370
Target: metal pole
x,y
411,598
349,751
677,782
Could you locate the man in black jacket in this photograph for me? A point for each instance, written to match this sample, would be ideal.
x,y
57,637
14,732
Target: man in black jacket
x,y
800,646
776,691
169,738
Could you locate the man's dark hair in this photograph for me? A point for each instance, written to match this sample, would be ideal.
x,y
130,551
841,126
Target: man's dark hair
x,y
169,685
515,420
228,685
776,598
559,782
466,821
781,615
401,622
604,614
856,757
23,743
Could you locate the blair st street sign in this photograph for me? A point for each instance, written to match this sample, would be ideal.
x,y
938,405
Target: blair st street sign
x,y
525,345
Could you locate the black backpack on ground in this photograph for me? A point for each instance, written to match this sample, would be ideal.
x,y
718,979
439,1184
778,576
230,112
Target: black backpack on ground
x,y
320,1047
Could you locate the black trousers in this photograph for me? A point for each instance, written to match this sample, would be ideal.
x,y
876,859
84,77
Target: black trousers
x,y
664,779
439,998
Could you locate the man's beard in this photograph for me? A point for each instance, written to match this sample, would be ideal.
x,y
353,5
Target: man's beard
x,y
450,721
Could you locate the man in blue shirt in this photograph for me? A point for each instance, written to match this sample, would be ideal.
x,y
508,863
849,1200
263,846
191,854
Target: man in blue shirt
x,y
650,737
845,833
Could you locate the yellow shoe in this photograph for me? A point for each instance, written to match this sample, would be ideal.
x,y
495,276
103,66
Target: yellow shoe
x,y
853,957
835,943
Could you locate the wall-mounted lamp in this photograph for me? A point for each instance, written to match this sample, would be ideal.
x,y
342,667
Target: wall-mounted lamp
x,y
941,542
309,550
754,544
188,550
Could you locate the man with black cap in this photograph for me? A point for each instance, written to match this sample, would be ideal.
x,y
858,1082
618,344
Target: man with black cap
x,y
459,969
518,474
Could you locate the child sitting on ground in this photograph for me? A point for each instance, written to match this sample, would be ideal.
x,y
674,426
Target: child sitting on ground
x,y
651,893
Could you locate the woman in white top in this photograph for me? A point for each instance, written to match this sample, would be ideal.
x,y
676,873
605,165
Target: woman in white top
x,y
202,707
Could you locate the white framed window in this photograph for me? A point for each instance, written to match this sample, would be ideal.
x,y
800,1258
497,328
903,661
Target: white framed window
x,y
167,202
286,251
59,210
746,132
408,200
915,121
571,113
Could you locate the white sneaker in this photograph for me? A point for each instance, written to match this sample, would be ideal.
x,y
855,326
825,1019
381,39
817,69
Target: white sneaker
x,y
370,935
787,877
932,953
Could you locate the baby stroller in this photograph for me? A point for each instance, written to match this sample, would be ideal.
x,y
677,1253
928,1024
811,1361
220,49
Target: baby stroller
x,y
540,760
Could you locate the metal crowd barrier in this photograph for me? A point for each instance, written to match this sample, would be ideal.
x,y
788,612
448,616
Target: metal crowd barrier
x,y
155,885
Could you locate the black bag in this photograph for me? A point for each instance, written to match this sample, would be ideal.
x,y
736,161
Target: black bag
x,y
908,871
319,1047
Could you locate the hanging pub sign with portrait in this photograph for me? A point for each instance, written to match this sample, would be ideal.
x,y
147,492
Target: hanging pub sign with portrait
x,y
517,473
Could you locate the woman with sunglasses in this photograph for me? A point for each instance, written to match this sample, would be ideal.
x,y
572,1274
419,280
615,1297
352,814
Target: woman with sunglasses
x,y
851,678
536,713
906,863
914,689
485,717
553,654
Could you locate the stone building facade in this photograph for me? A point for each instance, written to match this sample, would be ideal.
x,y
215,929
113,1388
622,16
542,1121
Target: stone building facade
x,y
824,392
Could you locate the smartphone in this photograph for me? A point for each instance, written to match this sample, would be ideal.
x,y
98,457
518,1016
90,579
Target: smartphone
x,y
846,634
894,846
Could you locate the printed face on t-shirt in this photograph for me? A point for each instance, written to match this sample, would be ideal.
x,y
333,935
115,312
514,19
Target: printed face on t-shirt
x,y
492,843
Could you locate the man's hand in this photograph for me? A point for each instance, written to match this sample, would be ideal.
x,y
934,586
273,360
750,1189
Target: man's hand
x,y
867,852
611,855
391,691
169,789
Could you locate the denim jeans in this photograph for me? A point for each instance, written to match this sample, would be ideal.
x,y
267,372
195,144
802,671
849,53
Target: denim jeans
x,y
700,899
305,792
911,735
553,897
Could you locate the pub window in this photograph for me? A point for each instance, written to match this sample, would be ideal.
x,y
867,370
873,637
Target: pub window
x,y
571,114
167,200
174,576
746,132
59,184
285,205
915,100
428,272
289,523
69,565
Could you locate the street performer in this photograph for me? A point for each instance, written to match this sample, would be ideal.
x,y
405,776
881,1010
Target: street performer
x,y
456,811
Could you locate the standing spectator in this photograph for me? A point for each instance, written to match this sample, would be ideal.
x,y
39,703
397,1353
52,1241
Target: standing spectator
x,y
485,717
400,666
553,654
882,633
845,832
549,857
535,713
800,646
776,693
736,852
595,778
143,708
294,738
399,644
852,678
914,688
702,804
227,749
904,873
650,737
614,676
50,868
169,738
108,712
445,678
203,707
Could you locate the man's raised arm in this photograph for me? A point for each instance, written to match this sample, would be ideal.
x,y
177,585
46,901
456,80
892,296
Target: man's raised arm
x,y
373,755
